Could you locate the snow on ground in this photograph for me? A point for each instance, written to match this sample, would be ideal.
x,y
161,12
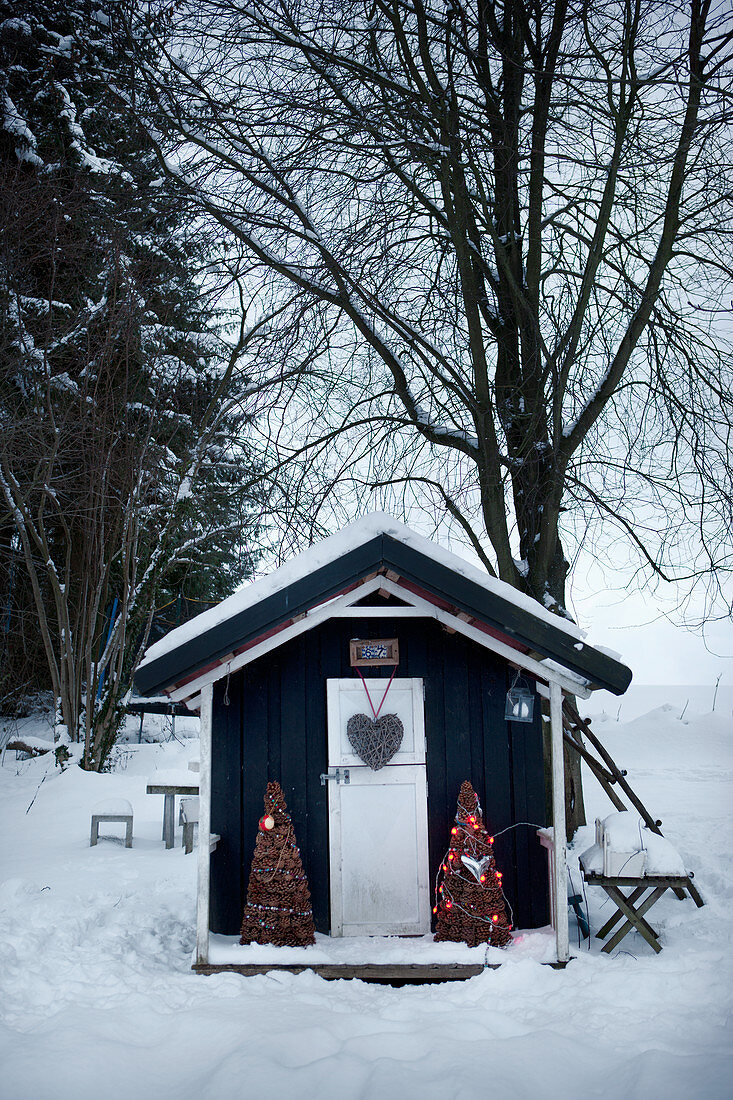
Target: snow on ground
x,y
639,699
97,997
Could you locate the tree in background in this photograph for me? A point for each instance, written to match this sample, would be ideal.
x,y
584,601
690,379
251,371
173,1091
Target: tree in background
x,y
503,230
499,238
121,465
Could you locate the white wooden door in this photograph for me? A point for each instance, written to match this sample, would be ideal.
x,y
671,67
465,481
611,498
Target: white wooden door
x,y
378,820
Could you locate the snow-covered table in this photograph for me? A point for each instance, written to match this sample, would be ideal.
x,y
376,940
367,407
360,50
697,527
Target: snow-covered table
x,y
628,854
170,787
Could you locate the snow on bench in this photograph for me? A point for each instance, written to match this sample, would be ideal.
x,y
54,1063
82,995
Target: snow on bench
x,y
111,809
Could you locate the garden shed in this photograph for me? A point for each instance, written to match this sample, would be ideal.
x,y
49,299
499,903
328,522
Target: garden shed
x,y
377,620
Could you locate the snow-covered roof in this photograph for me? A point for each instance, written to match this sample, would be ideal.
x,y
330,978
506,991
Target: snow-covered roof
x,y
338,558
328,550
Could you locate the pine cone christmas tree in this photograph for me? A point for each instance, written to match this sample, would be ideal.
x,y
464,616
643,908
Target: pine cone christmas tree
x,y
278,908
470,903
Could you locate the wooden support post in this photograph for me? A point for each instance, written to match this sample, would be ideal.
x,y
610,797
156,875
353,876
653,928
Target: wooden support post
x,y
204,855
562,935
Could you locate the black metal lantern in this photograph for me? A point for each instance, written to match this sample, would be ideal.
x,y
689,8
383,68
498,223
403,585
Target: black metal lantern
x,y
519,702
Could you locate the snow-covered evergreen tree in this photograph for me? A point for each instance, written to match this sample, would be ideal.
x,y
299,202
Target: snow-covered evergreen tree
x,y
121,475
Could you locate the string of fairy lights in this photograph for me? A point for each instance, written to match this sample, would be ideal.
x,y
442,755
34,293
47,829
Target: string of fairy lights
x,y
468,824
280,909
278,870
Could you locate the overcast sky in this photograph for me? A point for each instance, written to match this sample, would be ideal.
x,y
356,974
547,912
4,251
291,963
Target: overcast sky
x,y
647,633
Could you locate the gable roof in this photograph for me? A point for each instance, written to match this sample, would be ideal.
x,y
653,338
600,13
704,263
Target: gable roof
x,y
375,544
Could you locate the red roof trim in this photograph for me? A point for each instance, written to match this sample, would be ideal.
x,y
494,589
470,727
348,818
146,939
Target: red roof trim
x,y
429,597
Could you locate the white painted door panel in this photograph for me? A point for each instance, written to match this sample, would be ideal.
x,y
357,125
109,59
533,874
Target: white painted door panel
x,y
378,824
379,881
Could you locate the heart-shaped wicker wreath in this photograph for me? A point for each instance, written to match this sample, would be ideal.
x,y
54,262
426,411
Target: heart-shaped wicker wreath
x,y
375,740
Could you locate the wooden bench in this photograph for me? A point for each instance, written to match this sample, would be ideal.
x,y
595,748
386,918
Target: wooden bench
x,y
111,809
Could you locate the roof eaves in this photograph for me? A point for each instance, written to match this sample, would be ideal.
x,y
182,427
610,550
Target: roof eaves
x,y
465,594
179,664
502,615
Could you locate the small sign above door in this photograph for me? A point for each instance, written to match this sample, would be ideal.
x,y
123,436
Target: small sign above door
x,y
373,651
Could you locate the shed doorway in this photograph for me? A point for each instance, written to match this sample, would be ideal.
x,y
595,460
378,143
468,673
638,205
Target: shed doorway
x,y
378,820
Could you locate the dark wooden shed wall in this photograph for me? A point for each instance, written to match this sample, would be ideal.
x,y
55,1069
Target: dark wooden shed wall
x,y
274,727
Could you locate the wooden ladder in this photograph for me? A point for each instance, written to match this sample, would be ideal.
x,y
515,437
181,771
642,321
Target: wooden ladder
x,y
611,778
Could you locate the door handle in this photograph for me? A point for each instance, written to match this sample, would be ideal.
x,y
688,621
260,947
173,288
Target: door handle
x,y
341,775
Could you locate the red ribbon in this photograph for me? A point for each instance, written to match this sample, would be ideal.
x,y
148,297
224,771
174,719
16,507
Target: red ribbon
x,y
366,689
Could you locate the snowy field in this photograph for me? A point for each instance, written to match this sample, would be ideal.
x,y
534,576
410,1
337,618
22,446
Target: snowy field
x,y
97,998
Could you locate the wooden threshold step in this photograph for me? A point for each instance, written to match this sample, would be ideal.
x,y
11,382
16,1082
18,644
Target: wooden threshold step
x,y
374,972
367,972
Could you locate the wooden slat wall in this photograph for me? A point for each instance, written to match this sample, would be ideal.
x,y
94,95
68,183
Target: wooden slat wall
x,y
275,728
227,811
